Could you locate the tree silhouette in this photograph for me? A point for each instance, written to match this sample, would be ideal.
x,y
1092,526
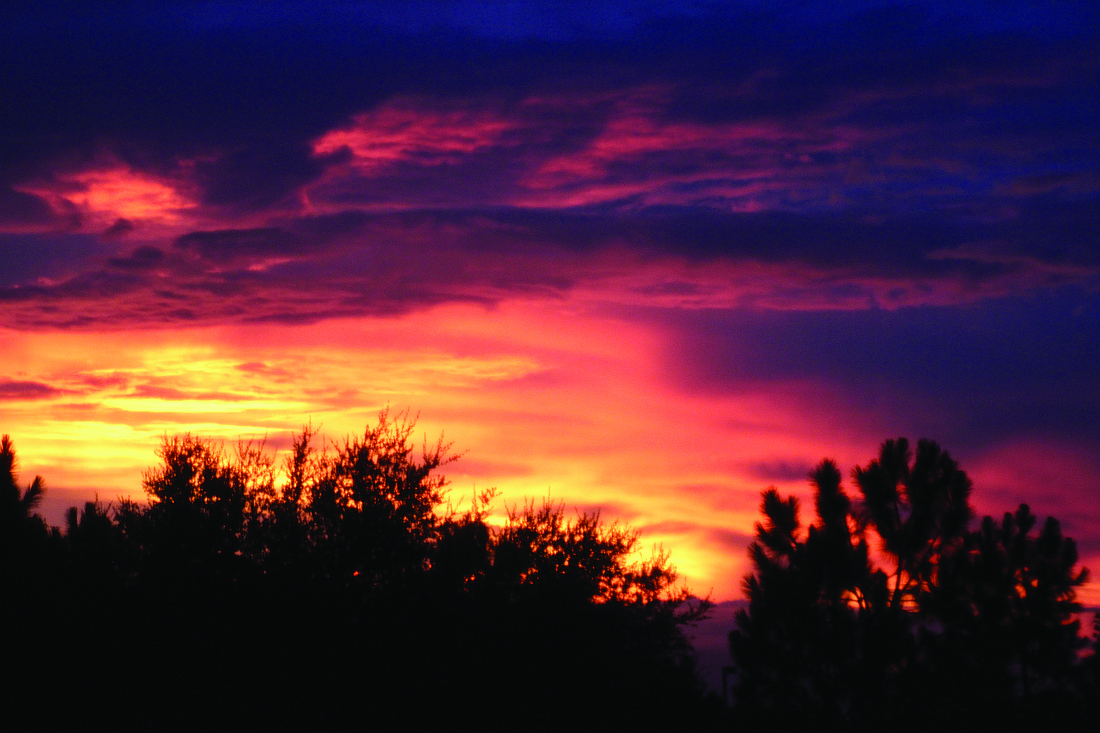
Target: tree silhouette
x,y
797,648
93,544
24,536
979,621
345,582
1010,596
378,503
586,624
197,505
18,505
920,509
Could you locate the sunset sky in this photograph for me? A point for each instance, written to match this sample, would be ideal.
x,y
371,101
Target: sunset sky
x,y
643,257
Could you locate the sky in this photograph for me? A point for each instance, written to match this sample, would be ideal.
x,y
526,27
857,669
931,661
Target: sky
x,y
643,258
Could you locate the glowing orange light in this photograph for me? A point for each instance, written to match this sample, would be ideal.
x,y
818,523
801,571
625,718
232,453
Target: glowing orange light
x,y
104,195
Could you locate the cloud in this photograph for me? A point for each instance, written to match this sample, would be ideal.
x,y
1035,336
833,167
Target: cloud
x,y
268,372
966,376
777,470
171,393
142,258
411,130
101,195
731,540
119,229
101,381
730,91
20,210
261,177
877,108
27,259
311,268
805,228
248,247
25,390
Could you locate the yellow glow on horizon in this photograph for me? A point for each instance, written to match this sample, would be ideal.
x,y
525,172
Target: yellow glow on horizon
x,y
543,399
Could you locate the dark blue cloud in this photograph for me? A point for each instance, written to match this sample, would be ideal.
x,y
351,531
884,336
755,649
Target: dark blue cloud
x,y
900,140
968,376
27,258
260,80
19,209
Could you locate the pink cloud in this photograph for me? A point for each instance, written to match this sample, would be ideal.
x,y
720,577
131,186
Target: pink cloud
x,y
103,195
630,148
639,152
413,130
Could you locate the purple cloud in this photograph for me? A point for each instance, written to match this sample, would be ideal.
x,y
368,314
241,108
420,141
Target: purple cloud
x,y
11,389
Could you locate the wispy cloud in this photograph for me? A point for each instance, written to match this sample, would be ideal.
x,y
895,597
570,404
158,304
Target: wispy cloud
x,y
11,389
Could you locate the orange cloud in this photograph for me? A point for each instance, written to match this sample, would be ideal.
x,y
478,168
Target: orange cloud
x,y
102,196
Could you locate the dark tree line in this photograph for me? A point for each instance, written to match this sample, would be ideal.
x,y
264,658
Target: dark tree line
x,y
338,589
891,610
341,589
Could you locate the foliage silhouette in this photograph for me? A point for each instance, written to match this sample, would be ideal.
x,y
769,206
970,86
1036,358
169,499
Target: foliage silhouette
x,y
24,536
346,582
1010,596
980,623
